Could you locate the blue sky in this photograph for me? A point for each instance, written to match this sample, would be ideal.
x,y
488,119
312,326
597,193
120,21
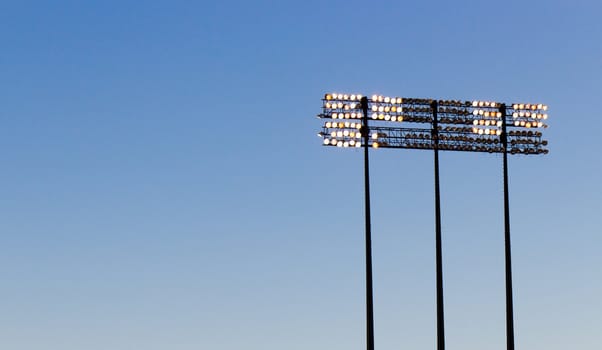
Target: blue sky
x,y
163,187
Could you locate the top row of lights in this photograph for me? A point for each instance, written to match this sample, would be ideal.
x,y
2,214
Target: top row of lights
x,y
485,104
529,106
399,100
346,97
386,99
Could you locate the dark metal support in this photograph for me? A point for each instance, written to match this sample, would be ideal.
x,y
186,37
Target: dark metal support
x,y
369,294
508,252
439,263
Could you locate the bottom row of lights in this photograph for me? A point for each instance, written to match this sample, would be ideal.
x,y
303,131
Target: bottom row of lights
x,y
339,143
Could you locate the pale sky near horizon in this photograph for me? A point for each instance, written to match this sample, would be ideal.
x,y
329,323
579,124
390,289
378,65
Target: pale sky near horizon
x,y
162,185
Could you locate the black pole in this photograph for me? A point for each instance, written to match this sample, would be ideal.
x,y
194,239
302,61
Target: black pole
x,y
508,252
439,263
369,296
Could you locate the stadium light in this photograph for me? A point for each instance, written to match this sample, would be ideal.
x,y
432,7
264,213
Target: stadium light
x,y
446,125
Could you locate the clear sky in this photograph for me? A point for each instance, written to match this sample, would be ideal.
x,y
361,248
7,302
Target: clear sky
x,y
162,185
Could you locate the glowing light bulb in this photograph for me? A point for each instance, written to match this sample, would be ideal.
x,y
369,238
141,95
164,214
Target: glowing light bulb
x,y
375,144
326,141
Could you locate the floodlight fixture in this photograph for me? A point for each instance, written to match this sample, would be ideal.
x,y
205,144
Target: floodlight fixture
x,y
389,122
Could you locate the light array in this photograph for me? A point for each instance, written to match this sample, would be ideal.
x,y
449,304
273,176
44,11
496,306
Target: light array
x,y
474,126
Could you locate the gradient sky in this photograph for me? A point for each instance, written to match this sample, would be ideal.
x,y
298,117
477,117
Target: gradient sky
x,y
162,185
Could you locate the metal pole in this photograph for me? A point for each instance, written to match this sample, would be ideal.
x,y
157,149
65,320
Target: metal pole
x,y
508,252
369,294
439,263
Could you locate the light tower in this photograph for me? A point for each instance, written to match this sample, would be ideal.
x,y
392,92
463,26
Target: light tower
x,y
354,120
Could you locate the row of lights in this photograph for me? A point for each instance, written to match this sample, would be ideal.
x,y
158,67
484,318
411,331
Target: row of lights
x,y
346,133
347,115
487,114
345,97
341,105
386,109
485,104
524,133
529,106
341,143
344,141
387,117
486,131
387,99
529,115
341,125
484,122
527,124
